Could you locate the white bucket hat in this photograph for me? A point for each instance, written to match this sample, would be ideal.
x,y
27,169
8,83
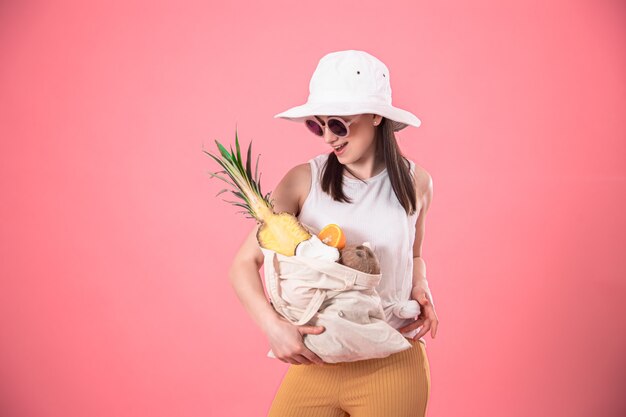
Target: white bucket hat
x,y
350,82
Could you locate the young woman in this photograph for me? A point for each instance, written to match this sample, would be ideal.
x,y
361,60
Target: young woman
x,y
375,194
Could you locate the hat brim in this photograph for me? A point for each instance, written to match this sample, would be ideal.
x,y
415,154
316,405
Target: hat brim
x,y
400,118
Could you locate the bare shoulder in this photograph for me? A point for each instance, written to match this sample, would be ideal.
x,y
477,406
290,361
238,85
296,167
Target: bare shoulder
x,y
292,190
423,185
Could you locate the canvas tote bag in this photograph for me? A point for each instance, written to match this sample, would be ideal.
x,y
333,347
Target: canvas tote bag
x,y
319,292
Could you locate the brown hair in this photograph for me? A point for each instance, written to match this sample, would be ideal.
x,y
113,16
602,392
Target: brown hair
x,y
398,169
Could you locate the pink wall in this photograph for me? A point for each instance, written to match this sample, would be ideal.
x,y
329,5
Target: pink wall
x,y
114,298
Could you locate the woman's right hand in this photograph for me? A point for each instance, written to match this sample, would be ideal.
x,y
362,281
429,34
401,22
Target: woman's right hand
x,y
286,341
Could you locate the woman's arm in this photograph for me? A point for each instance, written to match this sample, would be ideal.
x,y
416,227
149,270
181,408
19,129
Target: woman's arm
x,y
284,337
424,191
420,292
246,281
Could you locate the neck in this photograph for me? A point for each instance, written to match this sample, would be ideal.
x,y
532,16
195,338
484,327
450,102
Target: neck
x,y
365,168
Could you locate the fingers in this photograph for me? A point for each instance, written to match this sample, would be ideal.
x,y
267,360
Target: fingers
x,y
295,359
310,356
311,329
423,330
423,300
299,354
303,357
427,320
411,326
433,322
429,324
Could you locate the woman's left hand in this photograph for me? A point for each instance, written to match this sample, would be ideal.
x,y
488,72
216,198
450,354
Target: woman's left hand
x,y
427,318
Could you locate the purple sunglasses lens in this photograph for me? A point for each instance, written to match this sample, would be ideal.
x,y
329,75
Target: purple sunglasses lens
x,y
337,127
314,127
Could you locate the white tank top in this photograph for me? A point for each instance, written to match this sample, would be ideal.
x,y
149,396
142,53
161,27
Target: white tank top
x,y
376,216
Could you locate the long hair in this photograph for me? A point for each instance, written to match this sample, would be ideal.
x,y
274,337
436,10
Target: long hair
x,y
398,169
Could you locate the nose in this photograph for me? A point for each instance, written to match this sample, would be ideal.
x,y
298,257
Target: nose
x,y
329,136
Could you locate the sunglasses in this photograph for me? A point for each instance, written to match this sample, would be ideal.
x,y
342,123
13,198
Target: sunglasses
x,y
338,126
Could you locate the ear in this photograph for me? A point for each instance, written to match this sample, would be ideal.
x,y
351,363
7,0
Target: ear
x,y
376,119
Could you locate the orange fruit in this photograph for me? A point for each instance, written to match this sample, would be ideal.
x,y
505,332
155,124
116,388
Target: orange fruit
x,y
332,235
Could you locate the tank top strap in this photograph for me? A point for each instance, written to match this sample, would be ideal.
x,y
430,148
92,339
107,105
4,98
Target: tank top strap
x,y
315,169
317,163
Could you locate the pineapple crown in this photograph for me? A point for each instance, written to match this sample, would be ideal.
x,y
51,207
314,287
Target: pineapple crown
x,y
246,187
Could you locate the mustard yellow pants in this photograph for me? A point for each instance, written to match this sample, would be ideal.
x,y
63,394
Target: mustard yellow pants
x,y
395,386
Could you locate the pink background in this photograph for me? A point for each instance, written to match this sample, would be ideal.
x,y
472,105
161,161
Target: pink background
x,y
114,297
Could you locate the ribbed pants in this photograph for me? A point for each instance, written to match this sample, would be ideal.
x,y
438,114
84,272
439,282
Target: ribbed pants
x,y
395,386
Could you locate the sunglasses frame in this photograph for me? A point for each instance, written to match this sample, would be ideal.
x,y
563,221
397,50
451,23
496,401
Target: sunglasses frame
x,y
323,127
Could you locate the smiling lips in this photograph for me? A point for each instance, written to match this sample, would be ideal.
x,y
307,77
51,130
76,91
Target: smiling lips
x,y
340,149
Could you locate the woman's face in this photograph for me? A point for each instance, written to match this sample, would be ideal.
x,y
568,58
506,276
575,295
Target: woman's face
x,y
360,141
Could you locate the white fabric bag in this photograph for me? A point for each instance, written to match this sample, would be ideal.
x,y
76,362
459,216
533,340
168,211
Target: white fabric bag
x,y
319,292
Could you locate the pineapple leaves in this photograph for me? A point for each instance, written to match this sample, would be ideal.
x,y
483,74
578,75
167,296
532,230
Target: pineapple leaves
x,y
245,185
222,191
256,168
284,231
223,151
248,171
237,146
223,179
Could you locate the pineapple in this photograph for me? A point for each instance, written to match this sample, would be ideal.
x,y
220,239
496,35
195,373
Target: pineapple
x,y
280,232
